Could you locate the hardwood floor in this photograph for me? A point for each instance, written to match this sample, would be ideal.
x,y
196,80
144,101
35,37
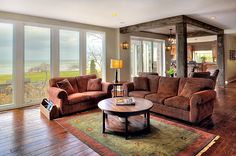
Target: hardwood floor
x,y
26,132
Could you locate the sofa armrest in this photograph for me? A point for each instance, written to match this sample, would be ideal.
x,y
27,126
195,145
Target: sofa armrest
x,y
57,93
107,87
128,87
199,100
202,97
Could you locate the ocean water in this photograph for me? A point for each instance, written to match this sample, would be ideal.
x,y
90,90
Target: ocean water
x,y
6,67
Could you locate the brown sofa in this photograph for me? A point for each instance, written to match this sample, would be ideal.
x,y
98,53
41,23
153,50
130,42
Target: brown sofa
x,y
82,99
189,99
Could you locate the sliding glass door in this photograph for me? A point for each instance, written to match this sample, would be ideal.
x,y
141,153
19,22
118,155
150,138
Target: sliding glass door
x,y
6,63
37,63
147,55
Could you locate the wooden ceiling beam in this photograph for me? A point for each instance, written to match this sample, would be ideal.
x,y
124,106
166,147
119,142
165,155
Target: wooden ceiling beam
x,y
160,34
189,34
203,25
171,21
199,34
152,24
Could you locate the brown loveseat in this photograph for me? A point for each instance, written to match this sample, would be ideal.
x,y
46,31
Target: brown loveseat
x,y
82,98
189,99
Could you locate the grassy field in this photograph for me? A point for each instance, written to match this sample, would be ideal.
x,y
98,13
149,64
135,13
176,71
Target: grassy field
x,y
39,76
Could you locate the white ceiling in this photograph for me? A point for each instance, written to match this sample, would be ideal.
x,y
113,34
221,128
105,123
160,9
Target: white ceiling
x,y
129,12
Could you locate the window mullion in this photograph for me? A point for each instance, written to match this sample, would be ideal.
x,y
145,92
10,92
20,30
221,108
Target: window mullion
x,y
55,53
18,66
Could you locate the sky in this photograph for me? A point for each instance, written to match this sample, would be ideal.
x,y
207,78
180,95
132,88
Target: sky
x,y
37,43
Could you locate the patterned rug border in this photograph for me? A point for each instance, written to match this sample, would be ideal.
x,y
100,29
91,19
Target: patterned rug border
x,y
203,143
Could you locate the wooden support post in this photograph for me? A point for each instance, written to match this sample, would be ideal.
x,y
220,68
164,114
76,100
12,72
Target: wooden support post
x,y
181,49
221,59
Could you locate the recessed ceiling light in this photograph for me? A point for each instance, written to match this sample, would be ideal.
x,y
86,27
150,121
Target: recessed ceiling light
x,y
213,17
114,14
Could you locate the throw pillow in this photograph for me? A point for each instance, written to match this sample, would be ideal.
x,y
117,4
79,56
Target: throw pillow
x,y
190,88
141,83
94,84
65,84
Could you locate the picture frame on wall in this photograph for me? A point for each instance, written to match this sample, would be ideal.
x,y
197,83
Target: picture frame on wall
x,y
232,54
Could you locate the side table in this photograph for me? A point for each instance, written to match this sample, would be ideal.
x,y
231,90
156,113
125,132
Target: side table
x,y
118,90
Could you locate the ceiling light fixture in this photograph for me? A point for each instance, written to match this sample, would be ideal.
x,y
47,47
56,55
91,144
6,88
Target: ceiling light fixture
x,y
170,41
114,14
213,17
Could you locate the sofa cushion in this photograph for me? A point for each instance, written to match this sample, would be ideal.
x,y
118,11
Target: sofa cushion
x,y
168,86
65,85
180,102
157,98
140,94
82,82
153,82
94,84
96,94
205,83
72,80
191,88
77,98
141,83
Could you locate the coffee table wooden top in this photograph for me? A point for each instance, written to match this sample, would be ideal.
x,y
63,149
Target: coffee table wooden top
x,y
109,105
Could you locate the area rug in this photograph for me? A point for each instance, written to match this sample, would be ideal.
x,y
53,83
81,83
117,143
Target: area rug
x,y
165,139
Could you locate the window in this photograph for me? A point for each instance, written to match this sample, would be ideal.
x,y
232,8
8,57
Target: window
x,y
37,63
26,52
206,55
158,57
6,63
136,57
146,56
95,53
69,53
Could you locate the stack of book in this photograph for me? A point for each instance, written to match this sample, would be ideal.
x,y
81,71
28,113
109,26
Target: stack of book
x,y
125,101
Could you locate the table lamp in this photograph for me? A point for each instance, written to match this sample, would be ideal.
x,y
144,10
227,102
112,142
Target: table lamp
x,y
116,64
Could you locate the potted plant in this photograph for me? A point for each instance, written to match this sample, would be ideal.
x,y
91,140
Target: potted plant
x,y
171,72
203,58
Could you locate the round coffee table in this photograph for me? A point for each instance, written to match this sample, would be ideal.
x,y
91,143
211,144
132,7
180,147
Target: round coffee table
x,y
136,123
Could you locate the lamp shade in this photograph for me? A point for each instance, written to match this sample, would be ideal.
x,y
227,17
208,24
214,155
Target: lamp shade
x,y
116,64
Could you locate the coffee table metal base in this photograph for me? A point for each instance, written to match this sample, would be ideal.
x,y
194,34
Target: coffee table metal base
x,y
135,124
